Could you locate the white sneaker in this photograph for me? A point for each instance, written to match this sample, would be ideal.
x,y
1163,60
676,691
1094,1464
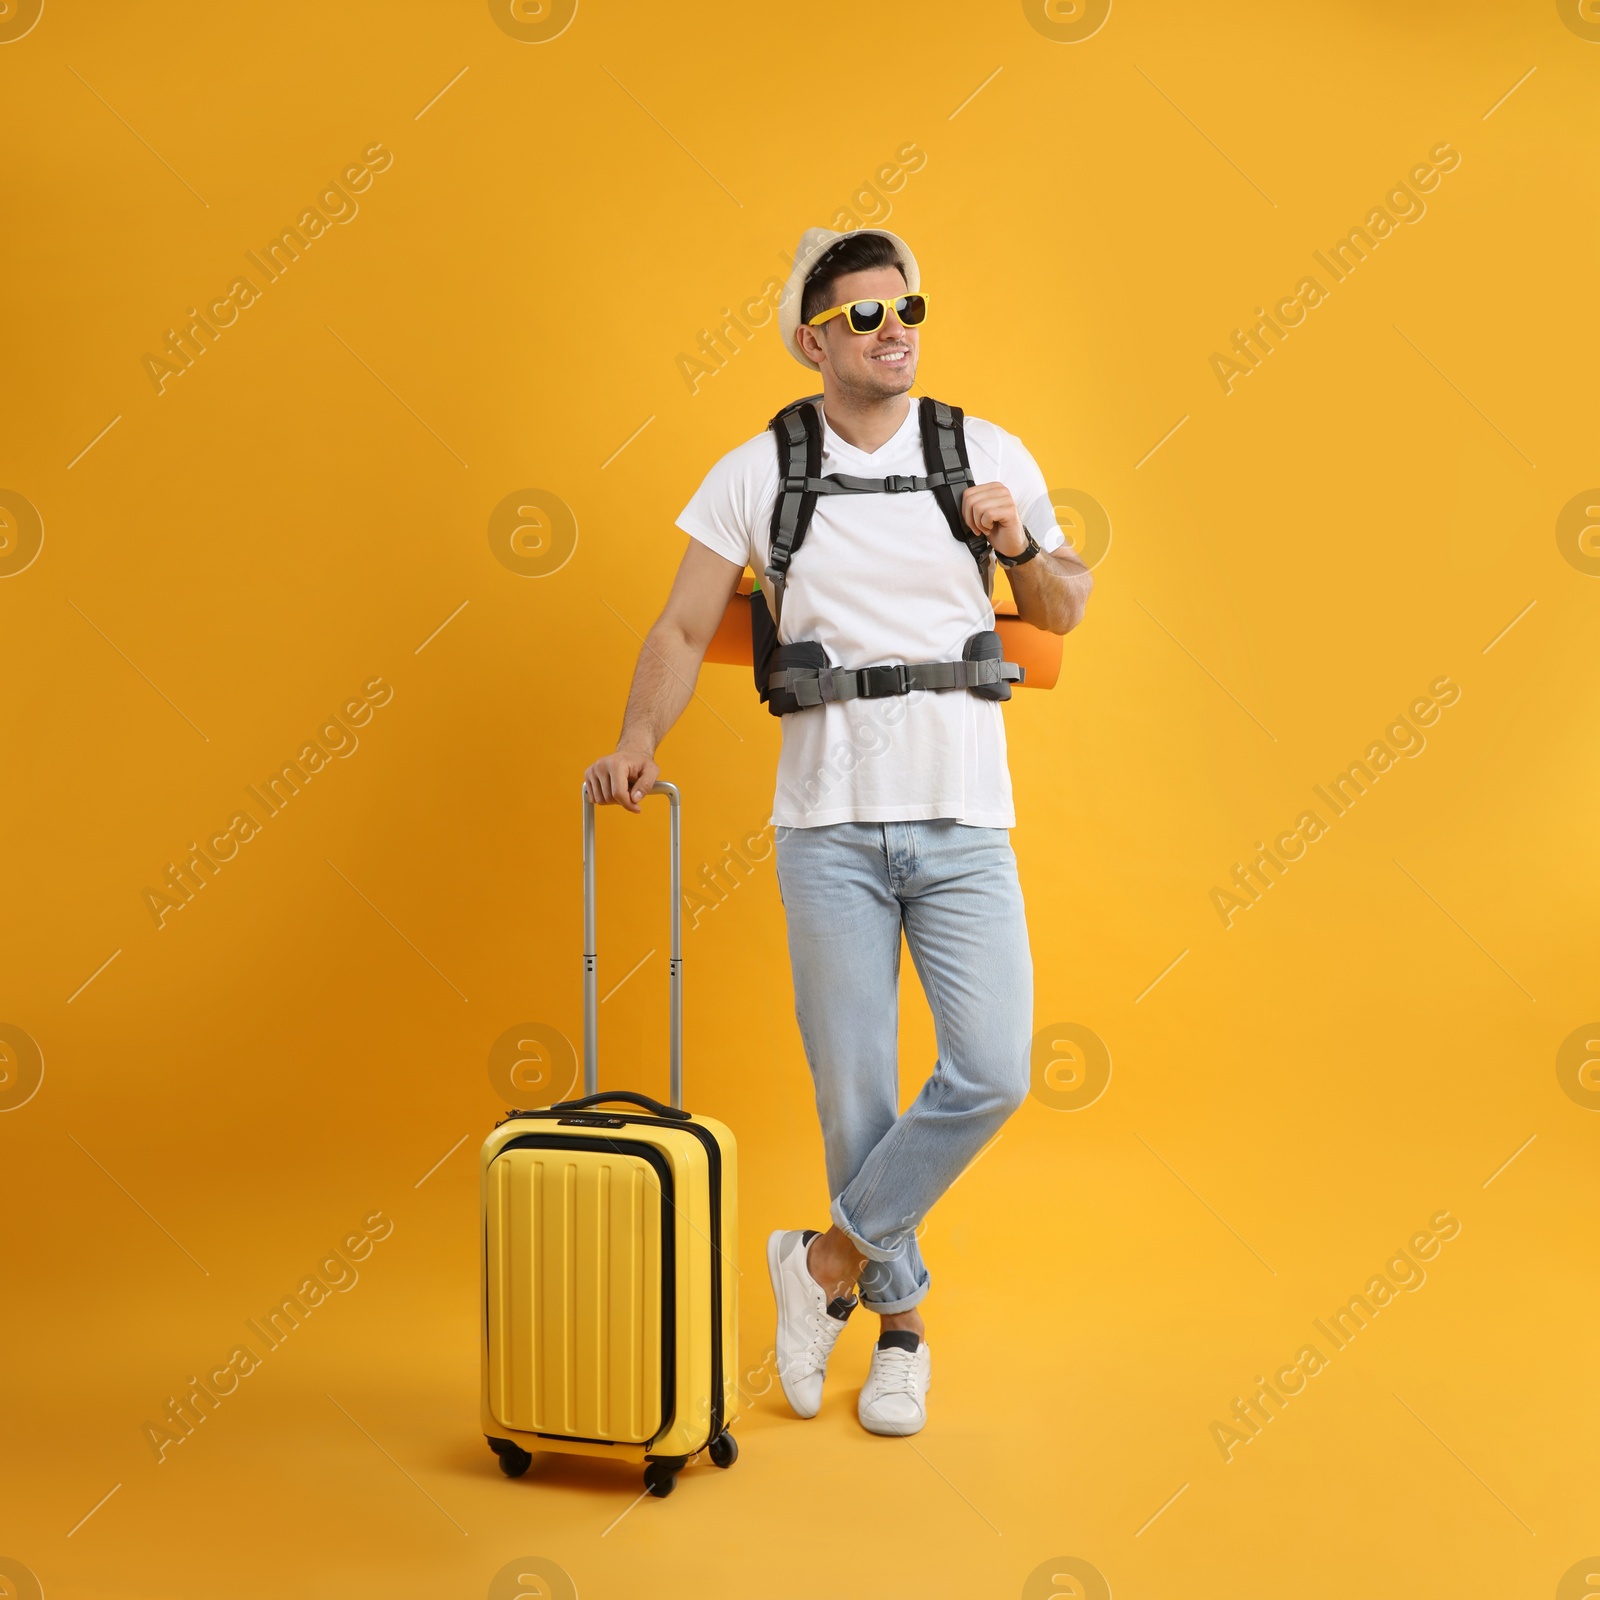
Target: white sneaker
x,y
808,1322
892,1399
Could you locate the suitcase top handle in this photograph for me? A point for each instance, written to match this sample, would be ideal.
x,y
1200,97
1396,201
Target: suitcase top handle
x,y
591,980
675,1112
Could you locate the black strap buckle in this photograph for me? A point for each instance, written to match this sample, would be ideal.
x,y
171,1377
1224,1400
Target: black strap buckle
x,y
899,484
878,683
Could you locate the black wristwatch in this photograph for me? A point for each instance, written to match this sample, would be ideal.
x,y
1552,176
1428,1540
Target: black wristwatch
x,y
1027,555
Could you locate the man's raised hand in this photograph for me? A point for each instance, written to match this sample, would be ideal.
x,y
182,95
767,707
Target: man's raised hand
x,y
989,510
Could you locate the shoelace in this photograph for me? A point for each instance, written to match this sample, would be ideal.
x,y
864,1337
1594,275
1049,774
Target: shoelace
x,y
894,1371
821,1343
824,1334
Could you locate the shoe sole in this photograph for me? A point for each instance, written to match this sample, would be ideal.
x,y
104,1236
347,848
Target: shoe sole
x,y
893,1430
775,1272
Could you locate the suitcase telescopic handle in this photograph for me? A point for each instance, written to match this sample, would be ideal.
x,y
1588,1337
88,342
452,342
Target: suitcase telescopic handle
x,y
591,979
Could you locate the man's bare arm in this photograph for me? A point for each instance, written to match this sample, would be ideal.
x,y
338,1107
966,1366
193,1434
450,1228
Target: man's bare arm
x,y
664,679
1052,590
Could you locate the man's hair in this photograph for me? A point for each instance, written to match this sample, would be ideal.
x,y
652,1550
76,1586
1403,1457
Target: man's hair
x,y
856,252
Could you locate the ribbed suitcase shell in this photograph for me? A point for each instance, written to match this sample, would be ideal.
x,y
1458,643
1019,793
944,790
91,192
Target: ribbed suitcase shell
x,y
575,1294
586,1251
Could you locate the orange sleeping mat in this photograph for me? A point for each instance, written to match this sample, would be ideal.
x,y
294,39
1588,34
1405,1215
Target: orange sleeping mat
x,y
1038,652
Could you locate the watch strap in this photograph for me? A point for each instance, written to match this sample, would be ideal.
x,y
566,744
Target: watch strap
x,y
1031,550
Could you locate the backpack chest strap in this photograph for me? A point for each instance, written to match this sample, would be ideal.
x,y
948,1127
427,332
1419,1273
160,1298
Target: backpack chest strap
x,y
844,483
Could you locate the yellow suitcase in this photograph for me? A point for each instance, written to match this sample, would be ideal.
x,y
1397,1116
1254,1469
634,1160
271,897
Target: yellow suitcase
x,y
610,1237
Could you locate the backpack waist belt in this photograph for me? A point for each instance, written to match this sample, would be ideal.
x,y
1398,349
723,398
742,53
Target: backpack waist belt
x,y
815,686
803,677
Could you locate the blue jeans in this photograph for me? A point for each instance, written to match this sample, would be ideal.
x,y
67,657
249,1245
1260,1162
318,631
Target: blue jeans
x,y
848,889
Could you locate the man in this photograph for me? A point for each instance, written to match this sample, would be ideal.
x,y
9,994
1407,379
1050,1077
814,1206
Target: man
x,y
891,814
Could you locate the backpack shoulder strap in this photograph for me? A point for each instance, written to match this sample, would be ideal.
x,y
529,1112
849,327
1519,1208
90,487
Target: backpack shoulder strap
x,y
798,431
944,453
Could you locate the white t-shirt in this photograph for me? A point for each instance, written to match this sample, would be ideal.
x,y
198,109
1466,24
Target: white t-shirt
x,y
880,579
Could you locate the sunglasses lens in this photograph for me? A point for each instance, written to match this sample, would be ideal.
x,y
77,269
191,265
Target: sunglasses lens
x,y
911,309
866,316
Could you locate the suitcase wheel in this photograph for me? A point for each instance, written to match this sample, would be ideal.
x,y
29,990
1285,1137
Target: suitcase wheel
x,y
660,1476
514,1460
724,1450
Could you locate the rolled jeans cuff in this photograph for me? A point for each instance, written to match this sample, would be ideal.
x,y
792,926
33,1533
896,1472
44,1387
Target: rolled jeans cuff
x,y
873,1252
882,1308
887,1308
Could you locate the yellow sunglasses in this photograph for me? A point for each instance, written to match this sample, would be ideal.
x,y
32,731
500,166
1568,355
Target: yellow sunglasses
x,y
867,316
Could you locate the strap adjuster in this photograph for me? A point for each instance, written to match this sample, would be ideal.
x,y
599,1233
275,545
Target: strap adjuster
x,y
877,683
899,484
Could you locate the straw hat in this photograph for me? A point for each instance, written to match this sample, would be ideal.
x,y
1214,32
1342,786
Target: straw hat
x,y
814,244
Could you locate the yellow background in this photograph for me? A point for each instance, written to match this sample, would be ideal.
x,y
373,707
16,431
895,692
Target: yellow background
x,y
308,1041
